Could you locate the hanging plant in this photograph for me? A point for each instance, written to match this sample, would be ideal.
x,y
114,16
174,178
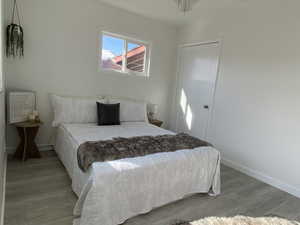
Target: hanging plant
x,y
14,36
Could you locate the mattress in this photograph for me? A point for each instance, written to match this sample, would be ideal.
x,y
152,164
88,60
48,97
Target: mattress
x,y
70,136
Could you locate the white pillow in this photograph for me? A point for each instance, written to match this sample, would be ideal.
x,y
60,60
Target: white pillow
x,y
74,109
130,110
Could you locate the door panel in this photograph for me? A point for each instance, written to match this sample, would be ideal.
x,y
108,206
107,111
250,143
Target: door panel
x,y
198,71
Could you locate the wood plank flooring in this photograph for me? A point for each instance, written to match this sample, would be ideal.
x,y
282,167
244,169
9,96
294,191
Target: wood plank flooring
x,y
38,192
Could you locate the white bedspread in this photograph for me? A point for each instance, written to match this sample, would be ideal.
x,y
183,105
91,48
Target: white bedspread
x,y
112,192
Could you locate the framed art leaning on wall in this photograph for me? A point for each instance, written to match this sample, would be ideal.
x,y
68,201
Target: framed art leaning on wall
x,y
20,105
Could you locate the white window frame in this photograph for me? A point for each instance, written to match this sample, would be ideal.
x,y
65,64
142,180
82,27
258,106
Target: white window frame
x,y
127,40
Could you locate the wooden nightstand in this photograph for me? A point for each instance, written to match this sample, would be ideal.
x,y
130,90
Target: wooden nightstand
x,y
156,122
27,147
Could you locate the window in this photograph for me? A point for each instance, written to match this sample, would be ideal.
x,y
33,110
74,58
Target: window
x,y
124,54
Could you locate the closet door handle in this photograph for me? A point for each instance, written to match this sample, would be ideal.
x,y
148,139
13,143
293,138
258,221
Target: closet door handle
x,y
206,107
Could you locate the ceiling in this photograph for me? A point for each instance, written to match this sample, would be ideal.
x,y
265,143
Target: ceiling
x,y
166,10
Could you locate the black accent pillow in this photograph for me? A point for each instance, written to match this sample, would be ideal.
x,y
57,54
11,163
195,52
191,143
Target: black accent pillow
x,y
108,114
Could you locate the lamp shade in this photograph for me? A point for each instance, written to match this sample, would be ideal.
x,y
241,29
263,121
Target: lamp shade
x,y
153,108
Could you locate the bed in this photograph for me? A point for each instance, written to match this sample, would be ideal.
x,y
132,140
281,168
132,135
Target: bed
x,y
111,192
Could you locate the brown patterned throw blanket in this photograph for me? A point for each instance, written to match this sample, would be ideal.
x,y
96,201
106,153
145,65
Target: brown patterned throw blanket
x,y
119,148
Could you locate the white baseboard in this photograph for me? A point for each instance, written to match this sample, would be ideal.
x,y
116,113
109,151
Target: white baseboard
x,y
3,191
263,177
42,148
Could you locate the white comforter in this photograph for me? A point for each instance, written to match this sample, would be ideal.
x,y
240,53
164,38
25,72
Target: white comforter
x,y
118,190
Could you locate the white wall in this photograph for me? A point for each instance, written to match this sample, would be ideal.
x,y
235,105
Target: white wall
x,y
2,155
2,124
61,55
256,123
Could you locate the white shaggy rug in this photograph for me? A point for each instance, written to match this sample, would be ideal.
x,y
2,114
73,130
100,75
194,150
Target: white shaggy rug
x,y
240,220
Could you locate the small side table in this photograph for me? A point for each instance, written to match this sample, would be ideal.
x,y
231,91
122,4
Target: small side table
x,y
27,147
155,122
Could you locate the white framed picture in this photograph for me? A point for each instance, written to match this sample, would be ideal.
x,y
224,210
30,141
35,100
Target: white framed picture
x,y
20,105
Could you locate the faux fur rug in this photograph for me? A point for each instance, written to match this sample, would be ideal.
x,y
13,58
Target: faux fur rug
x,y
240,220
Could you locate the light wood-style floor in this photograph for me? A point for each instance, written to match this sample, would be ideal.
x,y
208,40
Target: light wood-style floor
x,y
38,192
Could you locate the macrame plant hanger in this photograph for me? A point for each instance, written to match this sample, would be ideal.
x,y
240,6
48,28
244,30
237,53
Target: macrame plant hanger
x,y
15,35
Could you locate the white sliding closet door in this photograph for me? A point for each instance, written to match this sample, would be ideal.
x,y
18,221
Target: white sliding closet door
x,y
198,69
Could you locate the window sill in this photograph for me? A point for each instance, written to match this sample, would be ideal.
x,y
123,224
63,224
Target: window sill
x,y
129,73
